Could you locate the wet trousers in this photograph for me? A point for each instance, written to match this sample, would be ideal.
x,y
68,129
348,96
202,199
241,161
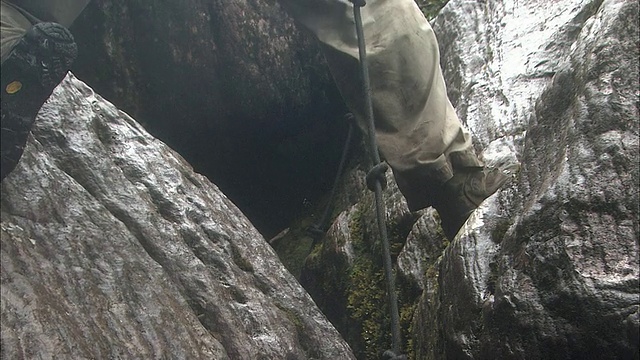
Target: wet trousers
x,y
417,129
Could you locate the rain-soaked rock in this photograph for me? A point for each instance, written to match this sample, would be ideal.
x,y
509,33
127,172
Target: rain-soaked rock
x,y
548,267
112,247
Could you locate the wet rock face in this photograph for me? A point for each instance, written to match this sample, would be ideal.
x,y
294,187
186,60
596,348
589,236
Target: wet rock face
x,y
112,247
223,58
549,267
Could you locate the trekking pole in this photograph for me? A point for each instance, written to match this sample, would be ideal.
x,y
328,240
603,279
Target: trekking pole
x,y
376,180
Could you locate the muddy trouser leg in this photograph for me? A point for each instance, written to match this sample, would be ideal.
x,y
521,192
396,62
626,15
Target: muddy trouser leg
x,y
417,129
35,58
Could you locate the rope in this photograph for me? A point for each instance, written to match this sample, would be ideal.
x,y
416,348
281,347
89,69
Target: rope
x,y
377,175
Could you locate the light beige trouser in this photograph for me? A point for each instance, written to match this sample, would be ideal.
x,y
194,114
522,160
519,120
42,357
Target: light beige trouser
x,y
417,129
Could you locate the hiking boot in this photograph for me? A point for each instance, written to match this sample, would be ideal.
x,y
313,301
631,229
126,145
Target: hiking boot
x,y
35,66
464,193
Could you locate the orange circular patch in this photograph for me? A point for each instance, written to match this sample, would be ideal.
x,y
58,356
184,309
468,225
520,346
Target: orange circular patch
x,y
14,87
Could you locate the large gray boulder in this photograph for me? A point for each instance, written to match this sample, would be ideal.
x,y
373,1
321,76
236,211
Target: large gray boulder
x,y
548,268
112,247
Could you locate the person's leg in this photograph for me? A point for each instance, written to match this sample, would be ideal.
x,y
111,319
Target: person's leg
x,y
32,66
417,129
416,125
